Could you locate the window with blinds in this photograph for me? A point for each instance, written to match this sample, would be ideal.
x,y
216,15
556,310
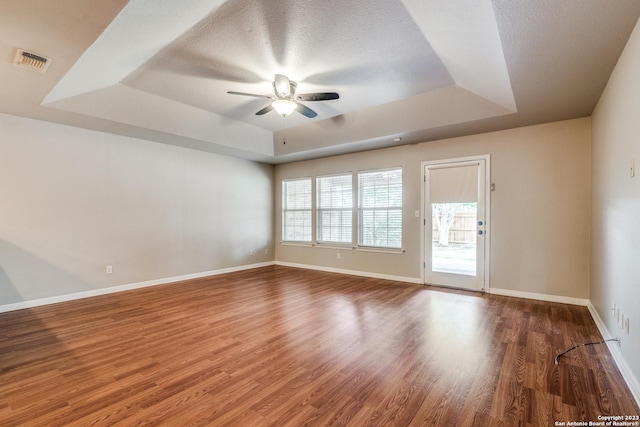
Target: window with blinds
x,y
334,209
296,210
380,208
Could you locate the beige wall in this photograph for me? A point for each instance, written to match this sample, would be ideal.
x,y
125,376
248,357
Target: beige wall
x,y
540,209
73,201
616,203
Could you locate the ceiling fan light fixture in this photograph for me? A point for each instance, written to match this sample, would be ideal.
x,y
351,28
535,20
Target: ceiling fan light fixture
x,y
284,107
285,101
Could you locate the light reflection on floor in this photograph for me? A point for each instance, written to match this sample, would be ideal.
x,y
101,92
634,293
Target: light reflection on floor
x,y
449,324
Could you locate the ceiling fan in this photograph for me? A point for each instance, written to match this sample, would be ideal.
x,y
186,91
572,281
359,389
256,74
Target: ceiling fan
x,y
286,101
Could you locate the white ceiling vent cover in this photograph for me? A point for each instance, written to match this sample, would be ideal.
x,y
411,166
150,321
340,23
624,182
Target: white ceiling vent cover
x,y
31,61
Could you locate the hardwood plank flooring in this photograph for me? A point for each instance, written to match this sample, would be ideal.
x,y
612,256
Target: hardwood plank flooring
x,y
280,346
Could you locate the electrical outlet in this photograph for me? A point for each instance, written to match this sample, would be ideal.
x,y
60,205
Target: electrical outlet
x,y
250,252
266,251
338,255
109,269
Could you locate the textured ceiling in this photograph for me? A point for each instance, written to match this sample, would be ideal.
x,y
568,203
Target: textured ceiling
x,y
243,44
412,69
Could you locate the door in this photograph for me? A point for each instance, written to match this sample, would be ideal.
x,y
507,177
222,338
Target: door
x,y
455,212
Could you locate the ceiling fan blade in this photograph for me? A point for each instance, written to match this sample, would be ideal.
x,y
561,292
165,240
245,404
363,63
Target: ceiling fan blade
x,y
323,96
249,94
282,85
265,110
306,111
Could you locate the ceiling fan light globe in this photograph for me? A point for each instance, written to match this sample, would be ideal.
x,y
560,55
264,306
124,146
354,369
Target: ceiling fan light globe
x,y
284,107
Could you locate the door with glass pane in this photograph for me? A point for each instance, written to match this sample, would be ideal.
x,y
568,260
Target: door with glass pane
x,y
455,223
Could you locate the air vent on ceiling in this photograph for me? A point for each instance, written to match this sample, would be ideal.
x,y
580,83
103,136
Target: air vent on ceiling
x,y
31,61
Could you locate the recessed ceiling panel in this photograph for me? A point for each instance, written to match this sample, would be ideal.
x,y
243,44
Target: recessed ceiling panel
x,y
370,52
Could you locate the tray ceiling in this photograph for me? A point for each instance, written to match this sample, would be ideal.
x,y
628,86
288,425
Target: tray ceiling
x,y
406,71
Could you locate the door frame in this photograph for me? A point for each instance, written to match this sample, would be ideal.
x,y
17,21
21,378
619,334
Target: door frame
x,y
427,221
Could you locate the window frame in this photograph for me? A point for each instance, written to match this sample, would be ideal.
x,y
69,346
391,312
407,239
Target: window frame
x,y
347,212
395,208
302,210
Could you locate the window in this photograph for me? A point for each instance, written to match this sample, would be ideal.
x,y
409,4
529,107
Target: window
x,y
380,208
296,210
334,209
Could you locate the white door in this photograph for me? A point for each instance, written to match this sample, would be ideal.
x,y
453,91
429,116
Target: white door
x,y
455,212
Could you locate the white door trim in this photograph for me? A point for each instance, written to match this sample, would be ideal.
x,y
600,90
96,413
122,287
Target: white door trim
x,y
487,230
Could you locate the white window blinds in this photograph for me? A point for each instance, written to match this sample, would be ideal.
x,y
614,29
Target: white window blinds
x,y
334,208
380,208
296,210
453,184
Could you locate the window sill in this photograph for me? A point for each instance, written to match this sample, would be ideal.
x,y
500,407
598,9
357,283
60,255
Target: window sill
x,y
399,251
303,244
334,246
346,246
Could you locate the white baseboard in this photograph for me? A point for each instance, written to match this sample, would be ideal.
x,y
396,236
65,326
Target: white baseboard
x,y
539,297
616,352
614,348
110,290
415,280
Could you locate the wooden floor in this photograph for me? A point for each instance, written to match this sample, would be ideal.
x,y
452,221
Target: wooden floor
x,y
289,347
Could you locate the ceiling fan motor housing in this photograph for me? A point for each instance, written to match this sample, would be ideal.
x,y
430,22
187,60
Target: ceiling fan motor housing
x,y
289,94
